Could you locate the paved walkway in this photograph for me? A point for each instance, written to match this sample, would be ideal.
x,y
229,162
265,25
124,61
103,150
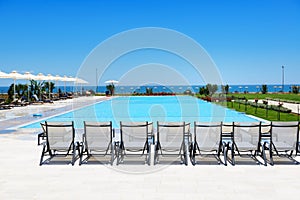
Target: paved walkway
x,y
21,177
294,107
21,115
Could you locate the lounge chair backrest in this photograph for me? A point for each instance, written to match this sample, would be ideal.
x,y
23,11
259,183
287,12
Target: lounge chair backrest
x,y
227,127
97,135
171,134
207,135
35,97
246,135
285,133
265,128
43,125
134,135
60,135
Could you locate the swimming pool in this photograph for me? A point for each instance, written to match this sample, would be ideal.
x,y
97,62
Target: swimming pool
x,y
150,108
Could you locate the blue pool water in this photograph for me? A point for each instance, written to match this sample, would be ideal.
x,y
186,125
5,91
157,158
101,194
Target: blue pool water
x,y
158,108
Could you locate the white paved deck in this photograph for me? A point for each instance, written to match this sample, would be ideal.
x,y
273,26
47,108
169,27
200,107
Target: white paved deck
x,y
21,177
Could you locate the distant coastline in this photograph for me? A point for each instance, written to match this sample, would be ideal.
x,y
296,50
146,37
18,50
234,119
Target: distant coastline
x,y
119,89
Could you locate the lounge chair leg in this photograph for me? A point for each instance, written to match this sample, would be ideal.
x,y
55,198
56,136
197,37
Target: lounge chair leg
x,y
43,154
271,155
193,155
73,155
232,155
263,154
225,154
112,154
81,155
149,155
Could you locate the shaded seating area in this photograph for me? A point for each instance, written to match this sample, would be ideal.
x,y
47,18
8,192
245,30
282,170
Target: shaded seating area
x,y
173,140
3,105
18,102
135,142
97,143
60,146
35,99
46,99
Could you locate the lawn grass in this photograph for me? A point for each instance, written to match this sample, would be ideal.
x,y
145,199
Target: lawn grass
x,y
285,96
269,115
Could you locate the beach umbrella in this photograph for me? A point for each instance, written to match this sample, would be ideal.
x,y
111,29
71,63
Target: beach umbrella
x,y
56,79
71,79
64,79
4,75
15,75
67,79
28,76
40,77
111,82
50,78
81,82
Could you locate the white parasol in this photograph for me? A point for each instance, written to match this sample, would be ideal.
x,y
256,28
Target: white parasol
x,y
28,76
15,75
67,79
40,77
111,82
50,78
4,75
81,82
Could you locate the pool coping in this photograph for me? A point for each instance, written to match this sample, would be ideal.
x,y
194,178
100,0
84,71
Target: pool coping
x,y
9,124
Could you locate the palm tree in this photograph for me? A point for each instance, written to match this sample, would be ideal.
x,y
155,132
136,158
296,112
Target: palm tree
x,y
37,87
46,85
21,90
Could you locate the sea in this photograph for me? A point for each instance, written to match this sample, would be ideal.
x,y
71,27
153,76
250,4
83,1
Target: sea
x,y
119,89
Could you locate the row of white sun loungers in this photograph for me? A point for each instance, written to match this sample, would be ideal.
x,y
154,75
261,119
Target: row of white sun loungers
x,y
171,141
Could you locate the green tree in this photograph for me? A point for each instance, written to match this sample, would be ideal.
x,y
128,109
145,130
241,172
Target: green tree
x,y
212,88
37,88
203,91
21,90
149,90
295,89
46,85
225,89
111,88
264,89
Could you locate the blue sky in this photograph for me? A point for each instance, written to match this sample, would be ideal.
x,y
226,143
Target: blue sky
x,y
249,40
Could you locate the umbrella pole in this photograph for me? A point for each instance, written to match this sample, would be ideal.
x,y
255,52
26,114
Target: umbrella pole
x,y
55,83
49,89
14,89
28,98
